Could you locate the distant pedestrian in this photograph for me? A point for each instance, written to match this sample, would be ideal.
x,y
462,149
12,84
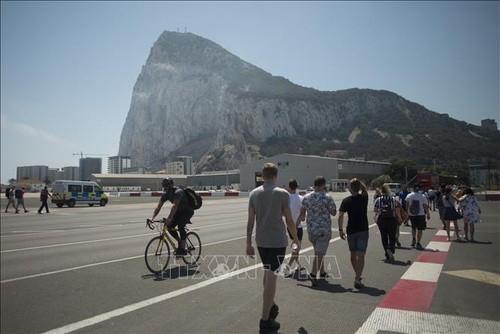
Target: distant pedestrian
x,y
417,208
266,206
19,194
44,196
9,193
356,207
295,205
377,194
402,199
319,206
431,195
471,211
439,203
450,213
387,216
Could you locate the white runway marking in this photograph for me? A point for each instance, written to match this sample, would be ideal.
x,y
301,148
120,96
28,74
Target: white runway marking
x,y
133,307
401,321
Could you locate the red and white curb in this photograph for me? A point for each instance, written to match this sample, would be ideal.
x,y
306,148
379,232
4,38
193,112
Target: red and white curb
x,y
405,308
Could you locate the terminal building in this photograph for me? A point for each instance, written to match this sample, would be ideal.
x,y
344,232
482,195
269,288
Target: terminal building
x,y
303,168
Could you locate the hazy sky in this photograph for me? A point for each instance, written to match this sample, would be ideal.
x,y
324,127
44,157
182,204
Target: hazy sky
x,y
68,68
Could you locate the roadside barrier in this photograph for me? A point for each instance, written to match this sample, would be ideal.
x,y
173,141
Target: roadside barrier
x,y
159,193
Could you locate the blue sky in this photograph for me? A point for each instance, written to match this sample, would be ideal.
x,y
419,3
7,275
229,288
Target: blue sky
x,y
68,68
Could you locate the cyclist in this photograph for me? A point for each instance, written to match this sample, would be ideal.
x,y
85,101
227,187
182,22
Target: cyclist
x,y
180,212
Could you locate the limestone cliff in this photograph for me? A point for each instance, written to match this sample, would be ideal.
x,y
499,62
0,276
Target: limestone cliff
x,y
193,97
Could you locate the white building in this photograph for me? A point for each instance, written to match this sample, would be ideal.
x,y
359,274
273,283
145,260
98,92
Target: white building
x,y
118,164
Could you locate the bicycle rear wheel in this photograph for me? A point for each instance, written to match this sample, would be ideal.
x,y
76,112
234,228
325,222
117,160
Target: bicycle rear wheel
x,y
193,248
157,255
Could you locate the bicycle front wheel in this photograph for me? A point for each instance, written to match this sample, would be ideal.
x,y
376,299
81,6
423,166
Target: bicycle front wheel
x,y
193,248
157,255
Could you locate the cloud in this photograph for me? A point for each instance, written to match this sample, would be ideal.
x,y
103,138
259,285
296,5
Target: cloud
x,y
35,132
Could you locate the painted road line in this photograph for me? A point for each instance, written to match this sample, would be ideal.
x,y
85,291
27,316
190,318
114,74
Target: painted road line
x,y
97,264
410,295
133,307
423,271
413,292
401,321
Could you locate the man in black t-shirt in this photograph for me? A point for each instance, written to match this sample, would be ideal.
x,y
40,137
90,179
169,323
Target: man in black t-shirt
x,y
180,213
356,207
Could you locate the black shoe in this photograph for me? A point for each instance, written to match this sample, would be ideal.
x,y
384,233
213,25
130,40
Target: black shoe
x,y
268,326
324,275
313,279
358,285
398,244
179,252
273,313
413,243
419,246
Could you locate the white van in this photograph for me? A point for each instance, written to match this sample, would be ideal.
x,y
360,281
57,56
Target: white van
x,y
72,192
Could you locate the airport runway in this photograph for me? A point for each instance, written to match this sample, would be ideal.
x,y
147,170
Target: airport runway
x,y
82,270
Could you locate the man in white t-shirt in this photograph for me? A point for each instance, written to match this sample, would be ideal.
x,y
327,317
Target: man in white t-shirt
x,y
417,208
295,204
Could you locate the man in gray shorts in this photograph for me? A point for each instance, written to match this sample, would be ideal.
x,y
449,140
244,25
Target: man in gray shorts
x,y
319,205
266,206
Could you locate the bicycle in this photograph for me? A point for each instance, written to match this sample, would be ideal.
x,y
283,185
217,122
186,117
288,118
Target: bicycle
x,y
157,254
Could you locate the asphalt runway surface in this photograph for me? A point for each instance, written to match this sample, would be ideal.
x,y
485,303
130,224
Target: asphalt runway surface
x,y
82,270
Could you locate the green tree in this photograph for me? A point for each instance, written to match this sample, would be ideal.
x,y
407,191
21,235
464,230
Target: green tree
x,y
400,169
380,180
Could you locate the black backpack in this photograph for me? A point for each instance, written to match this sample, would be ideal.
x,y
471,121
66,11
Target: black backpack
x,y
194,199
386,207
7,192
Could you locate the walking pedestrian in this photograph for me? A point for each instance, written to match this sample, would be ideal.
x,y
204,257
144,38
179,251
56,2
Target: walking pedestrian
x,y
9,193
266,206
417,209
402,199
319,206
387,216
295,205
439,203
450,213
356,206
44,195
19,194
431,195
471,211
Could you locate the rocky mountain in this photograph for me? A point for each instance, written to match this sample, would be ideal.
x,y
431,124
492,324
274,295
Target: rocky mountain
x,y
195,98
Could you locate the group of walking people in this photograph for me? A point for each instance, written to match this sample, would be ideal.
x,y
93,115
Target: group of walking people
x,y
391,212
268,204
15,197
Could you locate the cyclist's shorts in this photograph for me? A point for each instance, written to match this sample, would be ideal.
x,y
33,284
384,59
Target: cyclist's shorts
x,y
182,218
272,258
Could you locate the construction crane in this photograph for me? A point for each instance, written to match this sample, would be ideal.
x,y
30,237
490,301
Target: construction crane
x,y
81,154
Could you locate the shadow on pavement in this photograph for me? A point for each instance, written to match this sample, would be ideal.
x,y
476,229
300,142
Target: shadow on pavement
x,y
480,242
368,290
173,273
398,262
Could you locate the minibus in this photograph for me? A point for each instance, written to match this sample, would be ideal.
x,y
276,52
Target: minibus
x,y
70,193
